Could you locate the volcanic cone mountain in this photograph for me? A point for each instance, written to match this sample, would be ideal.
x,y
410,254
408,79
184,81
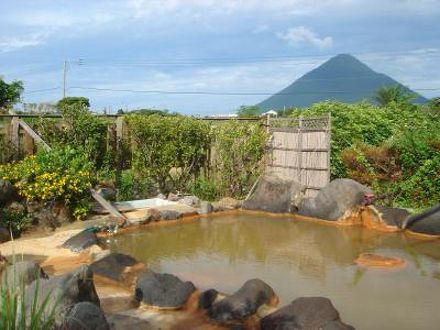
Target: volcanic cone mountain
x,y
343,78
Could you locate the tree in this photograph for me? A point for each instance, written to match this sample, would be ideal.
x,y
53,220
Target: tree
x,y
10,93
433,106
387,94
73,100
248,111
149,112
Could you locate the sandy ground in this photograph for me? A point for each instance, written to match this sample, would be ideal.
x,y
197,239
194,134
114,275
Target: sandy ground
x,y
48,246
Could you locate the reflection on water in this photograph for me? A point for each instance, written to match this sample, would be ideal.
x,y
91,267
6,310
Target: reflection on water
x,y
300,258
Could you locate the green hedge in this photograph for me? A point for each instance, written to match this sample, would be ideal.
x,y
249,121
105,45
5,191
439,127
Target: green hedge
x,y
394,149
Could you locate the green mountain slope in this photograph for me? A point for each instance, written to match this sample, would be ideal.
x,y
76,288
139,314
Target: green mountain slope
x,y
343,78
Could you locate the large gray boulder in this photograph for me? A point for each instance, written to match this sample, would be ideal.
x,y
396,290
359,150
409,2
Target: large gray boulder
x,y
170,214
392,216
275,193
337,200
49,215
22,272
427,222
207,298
81,241
162,290
62,293
303,314
205,207
118,267
192,201
243,303
226,204
85,316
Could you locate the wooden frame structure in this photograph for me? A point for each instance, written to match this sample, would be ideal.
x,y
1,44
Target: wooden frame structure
x,y
300,148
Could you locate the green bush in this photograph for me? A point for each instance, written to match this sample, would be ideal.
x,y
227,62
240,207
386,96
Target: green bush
x,y
422,189
80,129
125,186
205,189
15,220
417,145
238,149
63,174
351,123
405,168
168,150
393,149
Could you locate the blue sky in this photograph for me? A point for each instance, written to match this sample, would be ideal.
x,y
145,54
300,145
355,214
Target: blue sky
x,y
208,46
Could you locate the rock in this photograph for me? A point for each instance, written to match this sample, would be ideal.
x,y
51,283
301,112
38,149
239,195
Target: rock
x,y
5,235
336,325
338,200
161,196
275,193
25,272
62,293
192,201
85,315
305,313
392,216
123,321
118,267
243,303
427,222
162,290
170,214
207,298
205,207
173,197
142,216
226,203
7,192
81,241
49,215
383,218
375,260
96,256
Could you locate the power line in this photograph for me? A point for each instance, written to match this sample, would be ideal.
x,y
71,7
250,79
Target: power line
x,y
167,92
41,90
251,59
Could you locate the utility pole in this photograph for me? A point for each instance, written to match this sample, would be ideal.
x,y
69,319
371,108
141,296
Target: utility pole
x,y
64,78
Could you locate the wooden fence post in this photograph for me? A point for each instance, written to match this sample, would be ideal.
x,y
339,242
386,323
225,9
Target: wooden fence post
x,y
119,147
28,144
14,135
329,148
300,149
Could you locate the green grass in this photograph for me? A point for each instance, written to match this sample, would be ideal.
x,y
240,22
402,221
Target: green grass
x,y
14,315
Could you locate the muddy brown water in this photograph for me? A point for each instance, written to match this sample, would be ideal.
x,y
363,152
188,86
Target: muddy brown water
x,y
300,258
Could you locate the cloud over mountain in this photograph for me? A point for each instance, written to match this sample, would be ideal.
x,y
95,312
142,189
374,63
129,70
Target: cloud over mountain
x,y
300,34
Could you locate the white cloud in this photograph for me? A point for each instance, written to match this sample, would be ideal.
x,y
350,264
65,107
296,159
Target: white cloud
x,y
297,35
8,44
83,17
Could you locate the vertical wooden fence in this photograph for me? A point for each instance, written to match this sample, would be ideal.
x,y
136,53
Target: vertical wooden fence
x,y
300,149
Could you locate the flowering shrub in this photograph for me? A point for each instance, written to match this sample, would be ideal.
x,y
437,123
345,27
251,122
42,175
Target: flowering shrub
x,y
63,174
